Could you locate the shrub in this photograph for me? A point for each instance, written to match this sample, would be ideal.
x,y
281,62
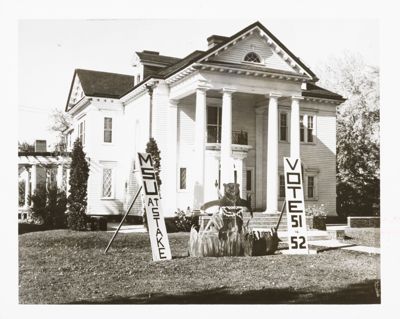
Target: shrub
x,y
181,221
48,207
39,209
319,216
316,211
77,199
153,150
76,219
21,193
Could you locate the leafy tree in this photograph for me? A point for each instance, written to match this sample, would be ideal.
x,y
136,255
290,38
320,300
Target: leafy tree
x,y
79,174
25,147
358,161
60,121
152,149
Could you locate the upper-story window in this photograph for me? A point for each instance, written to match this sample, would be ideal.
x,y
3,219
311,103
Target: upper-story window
x,y
214,116
283,127
307,128
81,132
252,57
107,130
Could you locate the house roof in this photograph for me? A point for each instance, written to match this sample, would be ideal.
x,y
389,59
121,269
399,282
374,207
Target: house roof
x,y
313,90
104,84
155,57
199,55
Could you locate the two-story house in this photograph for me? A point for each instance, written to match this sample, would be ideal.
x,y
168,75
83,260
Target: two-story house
x,y
228,113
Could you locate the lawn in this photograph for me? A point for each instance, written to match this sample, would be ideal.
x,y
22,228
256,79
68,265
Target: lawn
x,y
62,266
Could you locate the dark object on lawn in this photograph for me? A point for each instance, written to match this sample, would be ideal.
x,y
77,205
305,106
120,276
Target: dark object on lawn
x,y
261,243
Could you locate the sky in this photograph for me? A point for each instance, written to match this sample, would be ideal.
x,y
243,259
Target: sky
x,y
50,50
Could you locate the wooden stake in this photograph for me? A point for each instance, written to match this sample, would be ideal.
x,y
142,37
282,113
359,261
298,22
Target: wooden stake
x,y
123,219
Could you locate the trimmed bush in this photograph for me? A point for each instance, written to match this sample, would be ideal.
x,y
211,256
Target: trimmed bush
x,y
77,199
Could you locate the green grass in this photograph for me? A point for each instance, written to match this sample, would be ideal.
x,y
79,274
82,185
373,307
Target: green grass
x,y
62,266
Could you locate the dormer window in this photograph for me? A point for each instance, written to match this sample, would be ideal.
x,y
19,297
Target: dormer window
x,y
252,57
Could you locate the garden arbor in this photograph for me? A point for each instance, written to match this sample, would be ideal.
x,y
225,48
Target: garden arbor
x,y
44,168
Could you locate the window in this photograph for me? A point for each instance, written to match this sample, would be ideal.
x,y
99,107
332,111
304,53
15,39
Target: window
x,y
307,130
282,186
310,127
81,132
252,57
182,178
310,186
301,128
249,180
107,183
214,116
283,127
107,130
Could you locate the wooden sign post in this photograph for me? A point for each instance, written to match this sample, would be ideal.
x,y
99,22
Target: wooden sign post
x,y
152,205
296,217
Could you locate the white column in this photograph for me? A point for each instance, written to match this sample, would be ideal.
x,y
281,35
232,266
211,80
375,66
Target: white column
x,y
259,157
226,138
295,127
33,178
172,171
27,186
239,172
67,180
200,145
59,176
272,155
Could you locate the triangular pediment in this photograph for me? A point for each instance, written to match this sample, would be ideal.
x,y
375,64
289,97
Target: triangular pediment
x,y
259,41
76,92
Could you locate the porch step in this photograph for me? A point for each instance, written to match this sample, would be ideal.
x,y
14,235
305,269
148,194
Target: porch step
x,y
264,221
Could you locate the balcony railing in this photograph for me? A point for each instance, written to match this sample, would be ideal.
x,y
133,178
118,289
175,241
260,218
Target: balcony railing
x,y
238,137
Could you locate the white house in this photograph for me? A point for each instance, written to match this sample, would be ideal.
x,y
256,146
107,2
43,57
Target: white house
x,y
229,113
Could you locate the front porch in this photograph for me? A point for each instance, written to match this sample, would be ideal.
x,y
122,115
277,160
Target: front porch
x,y
235,138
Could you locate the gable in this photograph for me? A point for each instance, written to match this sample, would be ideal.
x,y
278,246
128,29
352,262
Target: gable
x,y
76,92
254,43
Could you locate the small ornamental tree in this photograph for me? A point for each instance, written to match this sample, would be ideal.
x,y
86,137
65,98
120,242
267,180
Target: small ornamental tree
x,y
78,180
152,149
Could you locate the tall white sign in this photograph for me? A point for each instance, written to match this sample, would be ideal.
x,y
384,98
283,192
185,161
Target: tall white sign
x,y
296,217
152,205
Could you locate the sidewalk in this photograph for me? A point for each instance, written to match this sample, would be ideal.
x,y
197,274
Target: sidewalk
x,y
336,244
126,229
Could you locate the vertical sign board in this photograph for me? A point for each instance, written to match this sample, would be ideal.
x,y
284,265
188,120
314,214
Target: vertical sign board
x,y
296,217
152,205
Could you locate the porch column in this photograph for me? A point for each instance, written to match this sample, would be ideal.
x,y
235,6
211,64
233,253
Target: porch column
x,y
295,127
259,157
59,176
272,155
200,145
226,138
33,178
171,180
67,181
27,186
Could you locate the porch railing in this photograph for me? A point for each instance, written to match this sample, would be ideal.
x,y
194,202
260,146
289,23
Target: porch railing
x,y
238,137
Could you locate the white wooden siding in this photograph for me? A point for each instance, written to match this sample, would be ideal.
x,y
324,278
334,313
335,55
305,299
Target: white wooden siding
x,y
254,43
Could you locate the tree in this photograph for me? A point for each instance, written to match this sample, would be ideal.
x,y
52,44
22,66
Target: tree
x,y
77,200
60,121
25,147
152,149
358,161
